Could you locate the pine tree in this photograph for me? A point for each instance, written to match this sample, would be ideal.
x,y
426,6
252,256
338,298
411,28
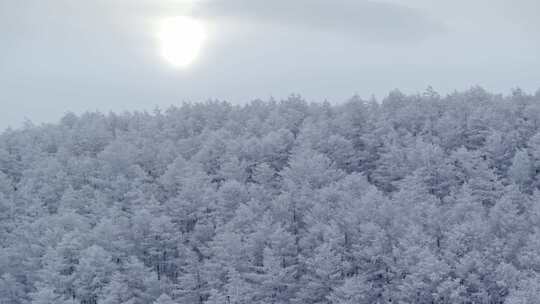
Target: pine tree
x,y
134,283
164,299
12,291
45,295
527,292
520,171
323,274
354,290
191,286
92,274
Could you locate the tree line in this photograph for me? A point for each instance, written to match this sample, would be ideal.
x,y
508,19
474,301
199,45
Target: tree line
x,y
416,198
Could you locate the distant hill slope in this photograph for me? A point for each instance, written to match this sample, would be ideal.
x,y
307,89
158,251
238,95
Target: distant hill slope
x,y
414,199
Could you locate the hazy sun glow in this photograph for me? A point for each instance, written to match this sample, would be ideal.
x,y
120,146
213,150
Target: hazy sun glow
x,y
181,40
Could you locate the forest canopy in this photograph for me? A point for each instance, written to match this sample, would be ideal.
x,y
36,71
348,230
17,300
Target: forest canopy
x,y
416,198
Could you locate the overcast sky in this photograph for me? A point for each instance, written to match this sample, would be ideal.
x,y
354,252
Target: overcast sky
x,y
61,55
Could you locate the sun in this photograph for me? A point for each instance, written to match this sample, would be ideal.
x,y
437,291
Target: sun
x,y
181,40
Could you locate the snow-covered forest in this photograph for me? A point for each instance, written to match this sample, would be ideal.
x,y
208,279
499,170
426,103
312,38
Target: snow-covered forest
x,y
411,199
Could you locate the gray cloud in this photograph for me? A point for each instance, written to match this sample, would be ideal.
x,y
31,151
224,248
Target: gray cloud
x,y
60,55
367,20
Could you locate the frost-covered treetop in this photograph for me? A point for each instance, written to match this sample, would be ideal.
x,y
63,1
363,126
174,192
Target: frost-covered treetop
x,y
412,199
